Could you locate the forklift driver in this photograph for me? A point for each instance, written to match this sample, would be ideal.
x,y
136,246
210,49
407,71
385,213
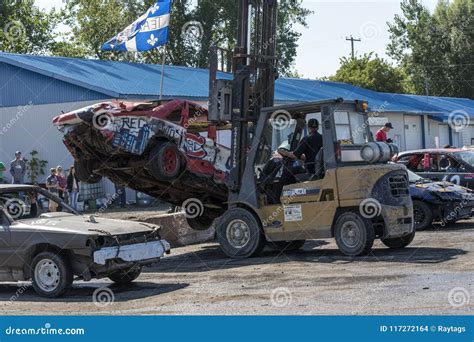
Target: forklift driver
x,y
309,146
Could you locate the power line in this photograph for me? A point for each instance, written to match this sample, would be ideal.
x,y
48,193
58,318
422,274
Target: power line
x,y
352,40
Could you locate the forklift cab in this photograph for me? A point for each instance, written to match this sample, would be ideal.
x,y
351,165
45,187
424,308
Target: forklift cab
x,y
286,129
355,195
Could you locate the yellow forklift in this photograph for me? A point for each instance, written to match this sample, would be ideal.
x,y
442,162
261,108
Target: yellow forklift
x,y
355,195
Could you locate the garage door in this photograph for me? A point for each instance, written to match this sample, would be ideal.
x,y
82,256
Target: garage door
x,y
412,132
443,135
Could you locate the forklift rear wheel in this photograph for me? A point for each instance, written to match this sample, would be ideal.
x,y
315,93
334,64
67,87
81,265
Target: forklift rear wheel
x,y
240,234
165,161
286,246
354,234
400,242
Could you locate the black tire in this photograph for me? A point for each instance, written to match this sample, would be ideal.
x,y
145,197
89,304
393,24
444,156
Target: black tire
x,y
240,234
422,215
401,242
286,246
51,274
125,276
349,224
200,223
165,161
84,172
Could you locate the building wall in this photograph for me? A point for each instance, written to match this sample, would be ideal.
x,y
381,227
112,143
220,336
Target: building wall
x,y
21,87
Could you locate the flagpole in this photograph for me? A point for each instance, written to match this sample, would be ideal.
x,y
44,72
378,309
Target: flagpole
x,y
162,72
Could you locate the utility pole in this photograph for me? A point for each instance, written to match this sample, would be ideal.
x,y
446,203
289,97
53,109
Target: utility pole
x,y
352,40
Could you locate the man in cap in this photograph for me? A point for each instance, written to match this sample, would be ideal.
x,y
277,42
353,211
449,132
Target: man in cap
x,y
309,146
18,168
381,134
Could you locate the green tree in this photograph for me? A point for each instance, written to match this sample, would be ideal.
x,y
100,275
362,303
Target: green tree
x,y
193,30
370,72
24,28
436,50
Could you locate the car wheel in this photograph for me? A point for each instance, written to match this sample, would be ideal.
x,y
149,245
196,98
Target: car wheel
x,y
165,161
422,215
125,276
84,172
51,274
240,234
400,242
286,246
354,234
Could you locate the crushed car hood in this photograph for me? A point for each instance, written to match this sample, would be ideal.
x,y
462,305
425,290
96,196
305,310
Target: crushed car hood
x,y
442,190
442,187
82,224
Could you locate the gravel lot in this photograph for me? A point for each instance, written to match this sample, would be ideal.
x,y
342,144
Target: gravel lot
x,y
438,268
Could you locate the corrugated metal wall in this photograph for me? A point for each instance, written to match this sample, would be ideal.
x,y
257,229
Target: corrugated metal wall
x,y
20,87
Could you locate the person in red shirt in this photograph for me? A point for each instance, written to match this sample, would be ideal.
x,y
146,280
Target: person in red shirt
x,y
381,134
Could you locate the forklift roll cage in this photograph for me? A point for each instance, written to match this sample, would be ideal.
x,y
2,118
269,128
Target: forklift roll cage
x,y
249,191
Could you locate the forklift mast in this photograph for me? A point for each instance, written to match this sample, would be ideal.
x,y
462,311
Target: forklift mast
x,y
252,88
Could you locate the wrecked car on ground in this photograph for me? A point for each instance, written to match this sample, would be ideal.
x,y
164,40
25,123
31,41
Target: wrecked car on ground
x,y
442,202
54,248
166,149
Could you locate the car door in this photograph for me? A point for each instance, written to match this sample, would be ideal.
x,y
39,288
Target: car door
x,y
5,240
443,167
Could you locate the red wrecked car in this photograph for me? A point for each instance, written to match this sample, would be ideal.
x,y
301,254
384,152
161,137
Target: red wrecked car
x,y
166,149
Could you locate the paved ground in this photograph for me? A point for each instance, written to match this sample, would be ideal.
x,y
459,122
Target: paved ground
x,y
199,280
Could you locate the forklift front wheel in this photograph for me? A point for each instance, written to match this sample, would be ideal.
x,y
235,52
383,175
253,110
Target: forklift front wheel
x,y
240,234
354,234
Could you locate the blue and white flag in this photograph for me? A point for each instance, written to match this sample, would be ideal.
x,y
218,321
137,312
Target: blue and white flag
x,y
146,33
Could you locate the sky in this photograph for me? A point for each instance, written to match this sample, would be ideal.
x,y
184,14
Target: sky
x,y
323,43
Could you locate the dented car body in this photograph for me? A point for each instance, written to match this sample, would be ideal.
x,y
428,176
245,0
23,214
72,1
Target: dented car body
x,y
165,149
53,248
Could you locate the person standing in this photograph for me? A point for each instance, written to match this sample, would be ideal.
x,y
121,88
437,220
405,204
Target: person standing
x,y
18,169
381,134
62,183
53,187
72,187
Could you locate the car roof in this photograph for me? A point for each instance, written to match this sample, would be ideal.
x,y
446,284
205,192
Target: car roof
x,y
434,150
18,187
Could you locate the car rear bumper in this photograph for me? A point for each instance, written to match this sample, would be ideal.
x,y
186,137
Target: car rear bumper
x,y
138,253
